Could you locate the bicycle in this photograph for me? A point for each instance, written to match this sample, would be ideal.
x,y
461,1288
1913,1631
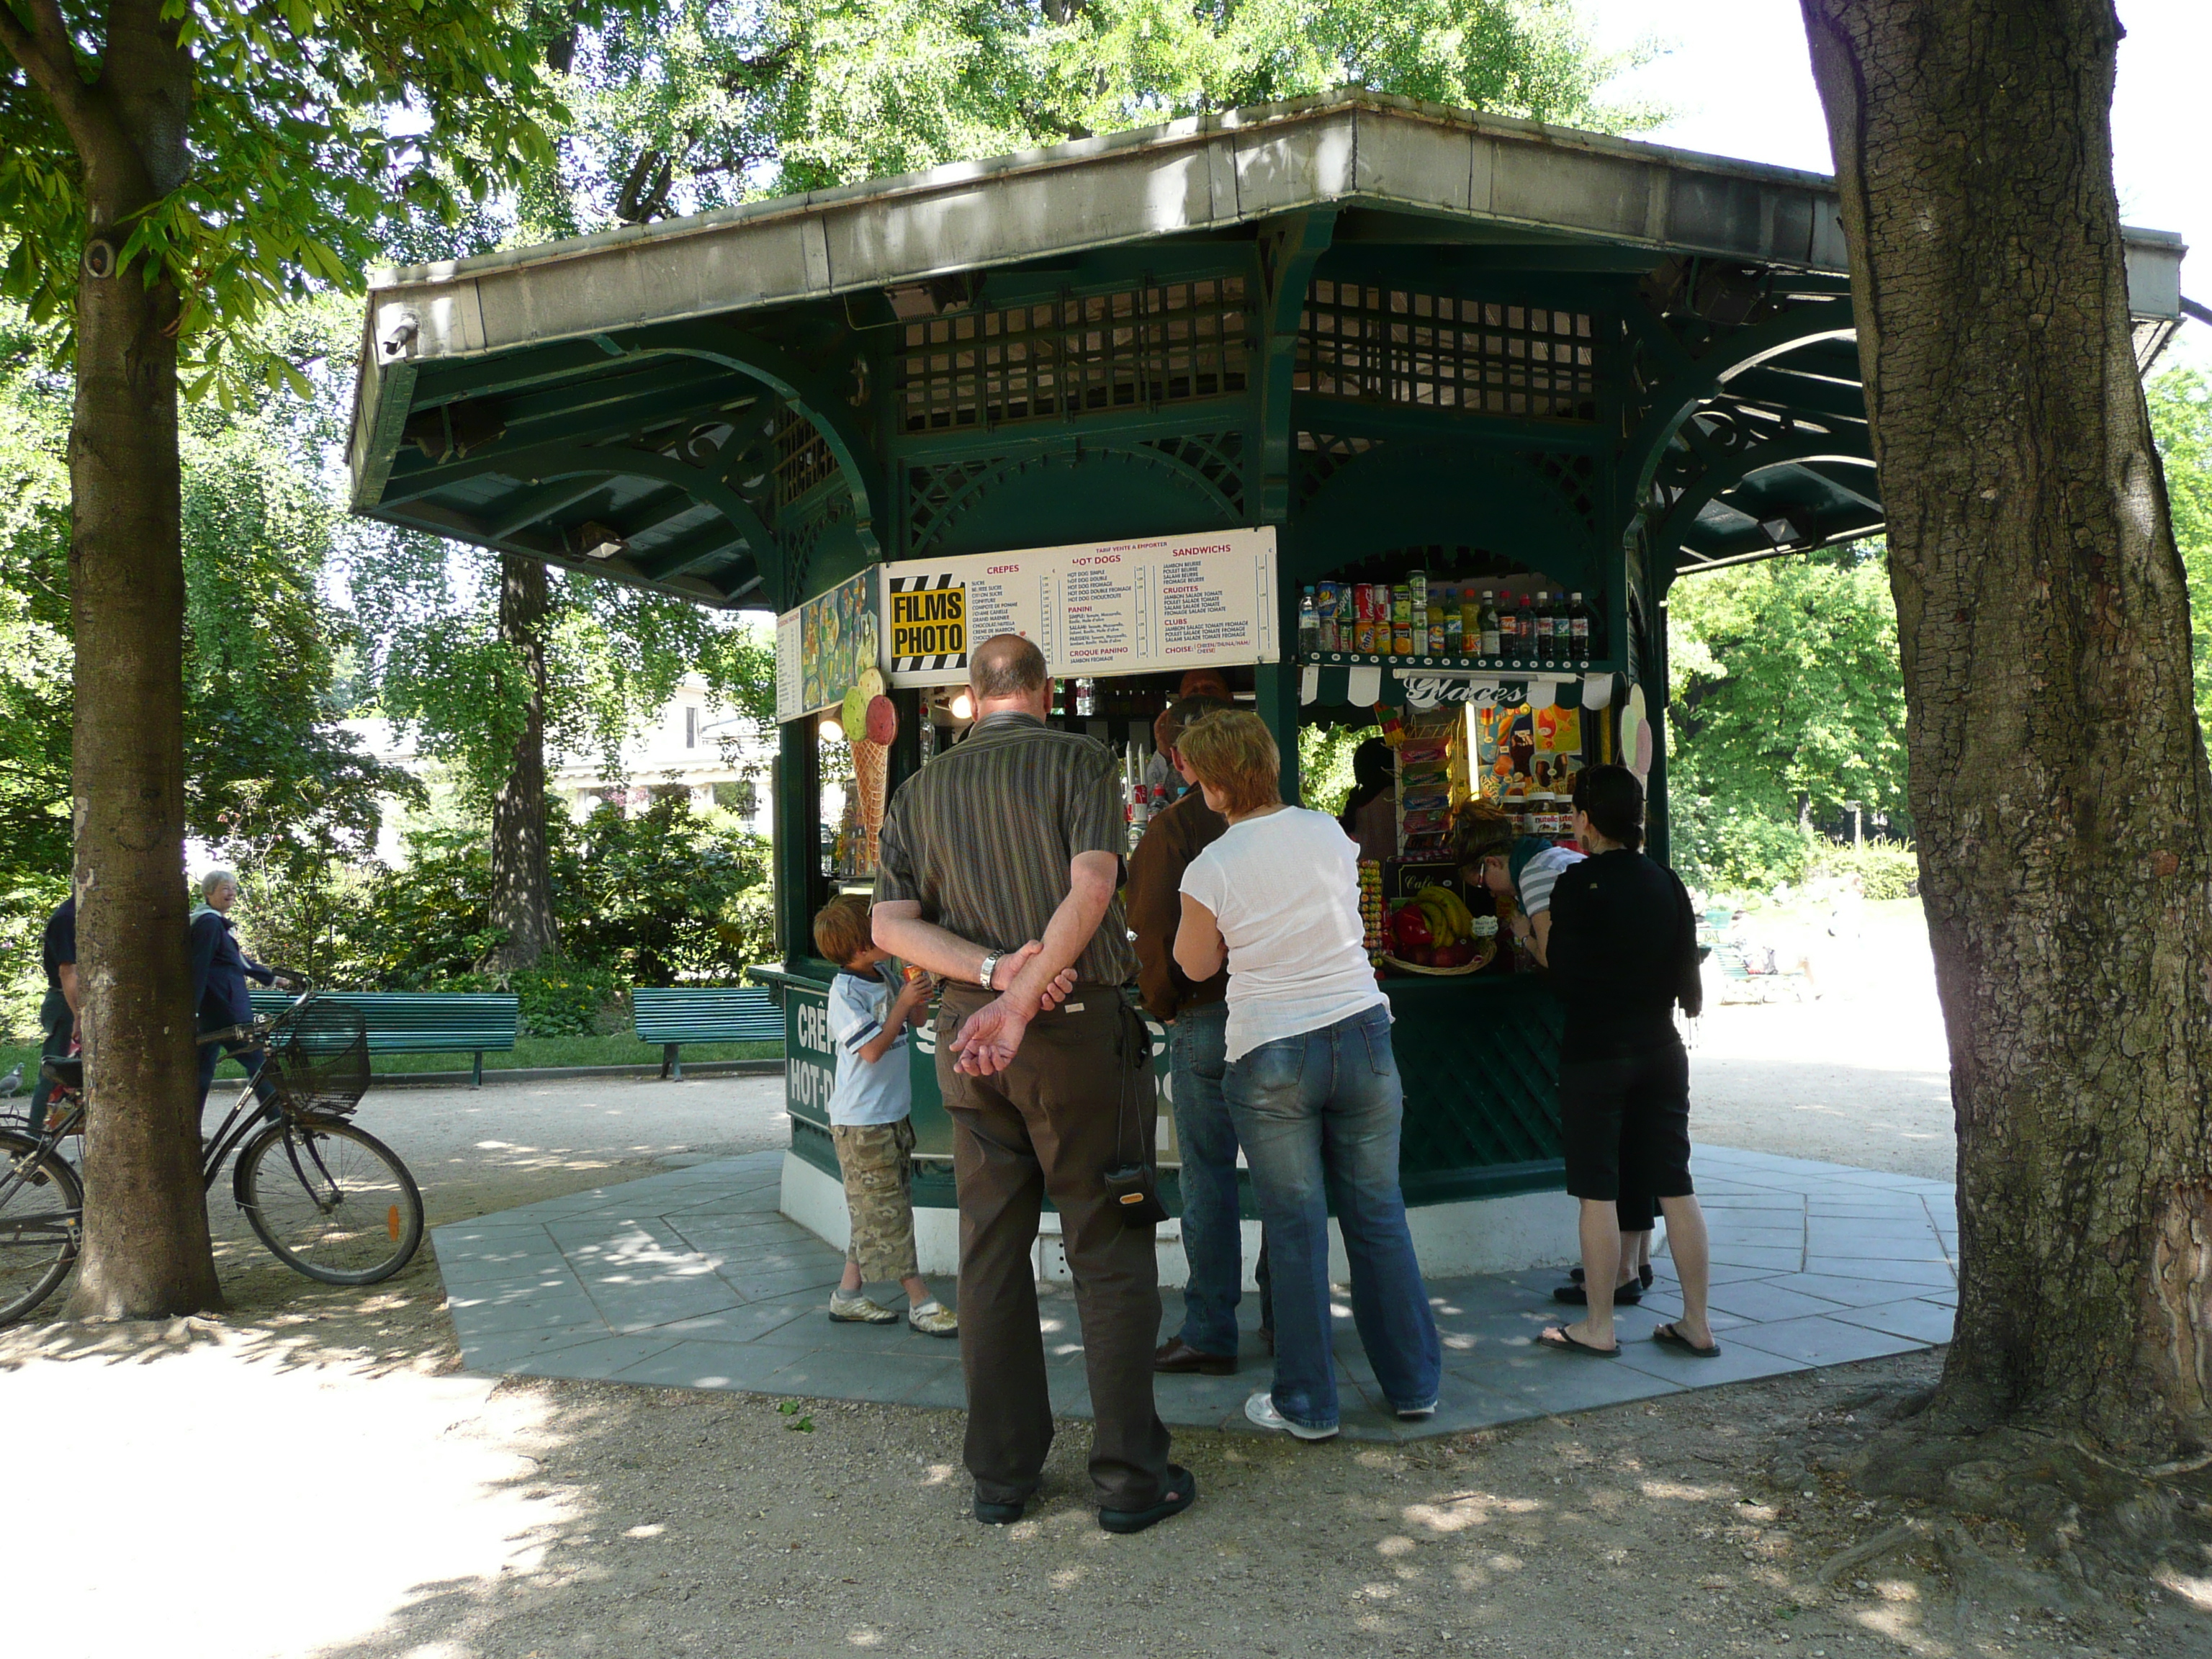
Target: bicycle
x,y
329,1200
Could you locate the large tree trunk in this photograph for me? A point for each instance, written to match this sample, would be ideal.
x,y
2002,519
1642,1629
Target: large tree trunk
x,y
2059,781
521,874
146,1249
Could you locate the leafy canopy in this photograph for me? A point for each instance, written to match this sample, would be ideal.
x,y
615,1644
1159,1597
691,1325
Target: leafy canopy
x,y
715,101
319,130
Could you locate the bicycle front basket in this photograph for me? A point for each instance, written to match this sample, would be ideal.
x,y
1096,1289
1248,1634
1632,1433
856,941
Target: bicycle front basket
x,y
319,1057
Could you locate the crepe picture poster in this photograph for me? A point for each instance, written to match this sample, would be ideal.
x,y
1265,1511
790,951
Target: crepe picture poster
x,y
826,645
1134,607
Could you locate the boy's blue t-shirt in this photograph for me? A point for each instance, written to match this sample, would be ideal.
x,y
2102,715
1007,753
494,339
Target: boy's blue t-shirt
x,y
879,1093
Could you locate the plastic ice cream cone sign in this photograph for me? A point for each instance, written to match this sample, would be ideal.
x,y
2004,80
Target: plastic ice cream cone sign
x,y
871,775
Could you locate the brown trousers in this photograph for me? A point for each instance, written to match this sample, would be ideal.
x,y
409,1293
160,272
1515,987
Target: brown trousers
x,y
1053,1122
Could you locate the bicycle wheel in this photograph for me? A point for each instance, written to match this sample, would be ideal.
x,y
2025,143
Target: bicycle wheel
x,y
41,1223
331,1200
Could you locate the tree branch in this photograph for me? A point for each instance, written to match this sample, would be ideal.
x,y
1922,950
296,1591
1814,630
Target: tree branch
x,y
42,46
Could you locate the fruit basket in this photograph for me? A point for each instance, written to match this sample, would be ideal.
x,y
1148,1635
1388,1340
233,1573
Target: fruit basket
x,y
1479,960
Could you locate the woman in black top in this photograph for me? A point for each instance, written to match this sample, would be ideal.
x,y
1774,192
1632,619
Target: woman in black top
x,y
1623,957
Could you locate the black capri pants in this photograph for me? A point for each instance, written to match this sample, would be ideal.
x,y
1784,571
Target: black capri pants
x,y
1624,1129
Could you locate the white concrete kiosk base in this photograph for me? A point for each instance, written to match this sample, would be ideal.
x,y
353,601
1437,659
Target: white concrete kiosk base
x,y
1480,1236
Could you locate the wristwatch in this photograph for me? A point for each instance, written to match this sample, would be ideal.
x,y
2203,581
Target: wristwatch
x,y
990,967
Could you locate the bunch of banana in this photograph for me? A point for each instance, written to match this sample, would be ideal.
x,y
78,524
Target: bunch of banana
x,y
1446,913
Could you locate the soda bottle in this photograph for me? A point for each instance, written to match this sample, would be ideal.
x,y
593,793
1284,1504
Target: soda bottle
x,y
1330,607
1433,630
1578,626
1489,624
1524,648
1308,625
1455,626
1470,622
1546,633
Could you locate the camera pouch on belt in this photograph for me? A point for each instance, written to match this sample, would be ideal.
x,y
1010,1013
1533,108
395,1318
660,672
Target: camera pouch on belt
x,y
1132,1186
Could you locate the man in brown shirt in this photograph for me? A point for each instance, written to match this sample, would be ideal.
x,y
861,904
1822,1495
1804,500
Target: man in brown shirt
x,y
1197,1017
1013,836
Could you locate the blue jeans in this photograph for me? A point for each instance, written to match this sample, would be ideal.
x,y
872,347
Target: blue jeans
x,y
1319,1116
1212,1236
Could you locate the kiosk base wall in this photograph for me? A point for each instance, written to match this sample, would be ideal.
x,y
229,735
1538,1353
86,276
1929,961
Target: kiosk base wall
x,y
1508,1234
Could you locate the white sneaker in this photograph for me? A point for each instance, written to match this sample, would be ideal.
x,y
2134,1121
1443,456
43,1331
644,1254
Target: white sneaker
x,y
933,1318
1261,1410
1415,1414
855,1307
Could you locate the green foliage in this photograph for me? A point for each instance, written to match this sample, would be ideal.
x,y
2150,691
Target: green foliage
x,y
1885,869
1788,702
668,895
1325,764
300,173
562,999
2181,419
714,103
268,774
432,661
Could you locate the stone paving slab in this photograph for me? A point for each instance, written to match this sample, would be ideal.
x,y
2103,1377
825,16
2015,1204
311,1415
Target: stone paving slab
x,y
694,1280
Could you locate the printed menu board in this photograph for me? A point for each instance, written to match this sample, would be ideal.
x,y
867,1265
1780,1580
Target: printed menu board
x,y
1136,607
824,647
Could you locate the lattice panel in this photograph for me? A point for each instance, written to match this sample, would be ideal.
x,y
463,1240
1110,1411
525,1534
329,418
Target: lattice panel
x,y
1574,477
933,492
1436,350
1322,456
1167,343
1216,457
803,458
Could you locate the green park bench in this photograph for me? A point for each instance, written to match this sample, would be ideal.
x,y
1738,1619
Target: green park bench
x,y
423,1022
673,1016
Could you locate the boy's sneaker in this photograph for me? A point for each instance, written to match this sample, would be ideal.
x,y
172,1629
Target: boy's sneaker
x,y
855,1307
933,1318
1260,1410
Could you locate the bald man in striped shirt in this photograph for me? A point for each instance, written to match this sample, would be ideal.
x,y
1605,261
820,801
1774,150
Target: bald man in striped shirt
x,y
1013,836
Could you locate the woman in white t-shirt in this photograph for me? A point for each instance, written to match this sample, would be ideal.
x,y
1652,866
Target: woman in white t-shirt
x,y
1312,1084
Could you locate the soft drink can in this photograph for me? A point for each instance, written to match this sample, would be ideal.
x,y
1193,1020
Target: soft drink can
x,y
1324,601
1401,637
1363,635
1401,606
1417,589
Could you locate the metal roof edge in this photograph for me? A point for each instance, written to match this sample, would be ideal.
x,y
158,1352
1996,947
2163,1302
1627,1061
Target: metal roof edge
x,y
1190,130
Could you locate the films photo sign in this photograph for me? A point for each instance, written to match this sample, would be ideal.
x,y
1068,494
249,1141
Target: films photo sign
x,y
1132,607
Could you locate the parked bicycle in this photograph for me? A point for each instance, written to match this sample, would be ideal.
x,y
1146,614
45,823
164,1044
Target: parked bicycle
x,y
330,1200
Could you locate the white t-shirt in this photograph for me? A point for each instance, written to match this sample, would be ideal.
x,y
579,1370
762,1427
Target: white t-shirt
x,y
866,1092
1541,874
1285,889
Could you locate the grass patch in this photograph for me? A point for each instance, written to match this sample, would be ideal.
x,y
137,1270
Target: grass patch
x,y
617,1050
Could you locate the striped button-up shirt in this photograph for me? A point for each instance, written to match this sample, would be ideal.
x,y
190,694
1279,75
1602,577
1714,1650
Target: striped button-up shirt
x,y
983,835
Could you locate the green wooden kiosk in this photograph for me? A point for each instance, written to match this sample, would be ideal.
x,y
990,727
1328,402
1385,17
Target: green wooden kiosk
x,y
1336,341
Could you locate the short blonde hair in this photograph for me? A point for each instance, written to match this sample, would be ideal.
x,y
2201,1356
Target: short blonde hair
x,y
842,929
1234,752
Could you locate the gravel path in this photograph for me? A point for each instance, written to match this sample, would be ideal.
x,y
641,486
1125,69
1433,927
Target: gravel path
x,y
460,1517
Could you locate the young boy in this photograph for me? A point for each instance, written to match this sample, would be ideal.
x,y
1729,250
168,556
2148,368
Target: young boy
x,y
869,1121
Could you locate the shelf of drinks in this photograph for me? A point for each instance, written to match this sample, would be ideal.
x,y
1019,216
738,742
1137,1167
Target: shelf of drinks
x,y
1441,664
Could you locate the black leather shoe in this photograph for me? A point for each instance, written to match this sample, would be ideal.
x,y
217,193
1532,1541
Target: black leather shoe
x,y
1176,1355
999,1514
1181,1493
1576,1296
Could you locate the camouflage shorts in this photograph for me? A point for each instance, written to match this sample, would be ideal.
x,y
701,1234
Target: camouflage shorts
x,y
874,1159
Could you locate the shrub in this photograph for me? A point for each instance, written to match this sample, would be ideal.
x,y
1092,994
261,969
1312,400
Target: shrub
x,y
560,999
1885,869
1733,849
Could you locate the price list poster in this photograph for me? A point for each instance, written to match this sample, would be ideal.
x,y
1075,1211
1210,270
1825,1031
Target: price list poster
x,y
1136,607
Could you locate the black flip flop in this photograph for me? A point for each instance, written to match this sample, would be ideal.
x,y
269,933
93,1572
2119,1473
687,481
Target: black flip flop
x,y
1668,1337
1566,1343
1643,1273
1577,1295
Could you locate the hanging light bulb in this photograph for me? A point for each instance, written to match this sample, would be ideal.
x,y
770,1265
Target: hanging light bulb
x,y
831,731
963,707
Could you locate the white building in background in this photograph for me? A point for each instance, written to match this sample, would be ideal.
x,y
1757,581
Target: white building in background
x,y
711,753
